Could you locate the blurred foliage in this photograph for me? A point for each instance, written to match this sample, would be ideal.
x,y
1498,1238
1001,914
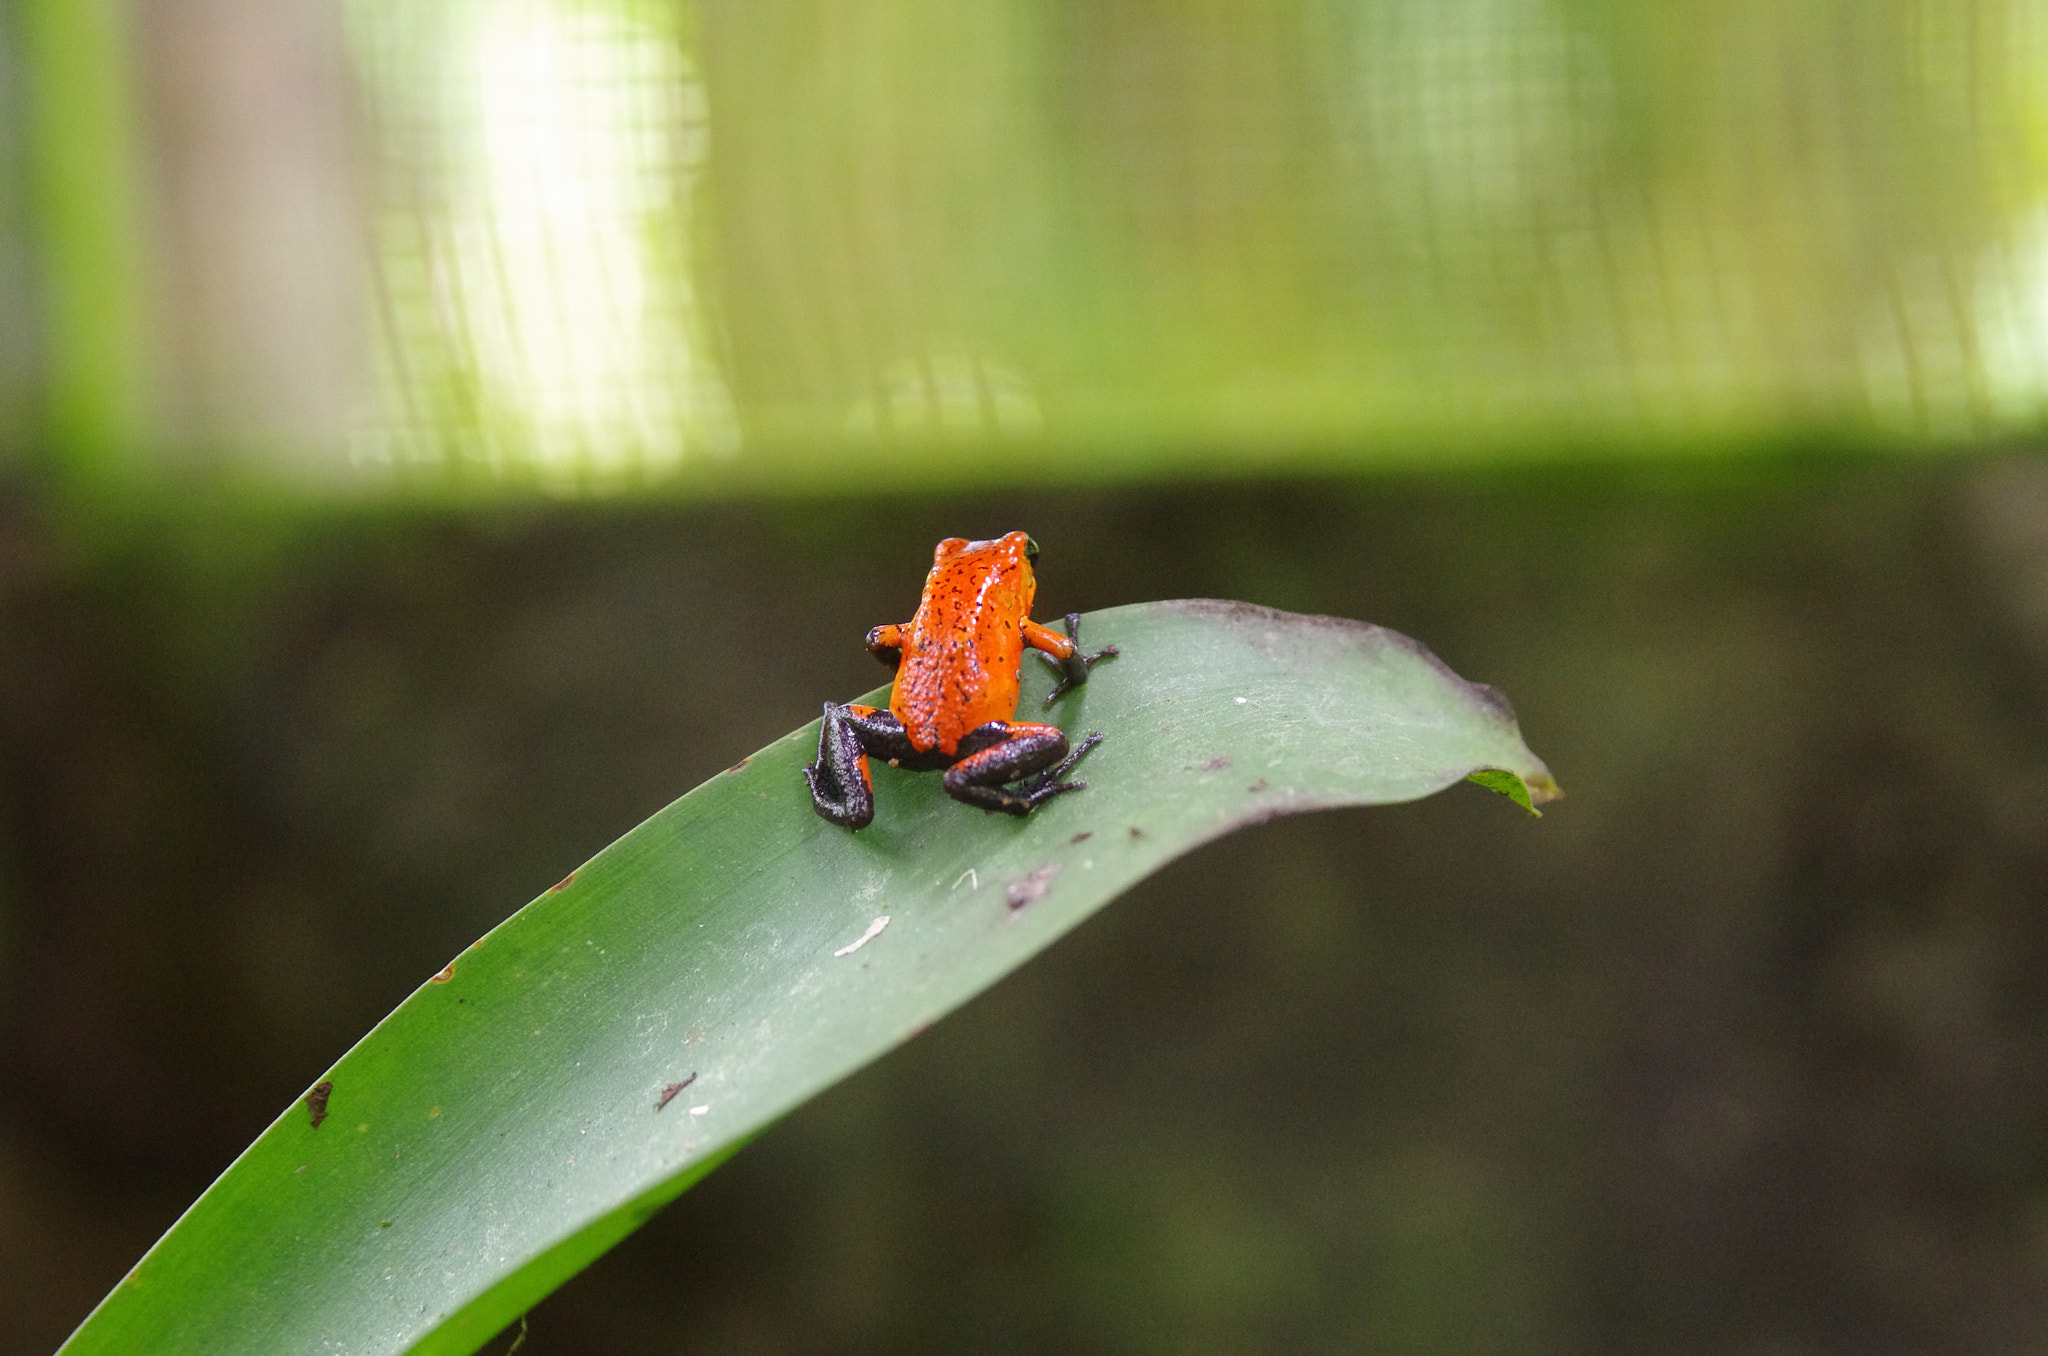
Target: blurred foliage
x,y
16,333
586,244
75,190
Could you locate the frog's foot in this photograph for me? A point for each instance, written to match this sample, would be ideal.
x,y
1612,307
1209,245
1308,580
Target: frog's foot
x,y
1021,757
1033,756
841,789
1050,782
1073,669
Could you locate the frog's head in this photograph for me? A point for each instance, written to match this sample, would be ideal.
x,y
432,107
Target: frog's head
x,y
1014,552
1011,547
1007,557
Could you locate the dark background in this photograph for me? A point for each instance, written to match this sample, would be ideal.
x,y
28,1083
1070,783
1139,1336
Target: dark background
x,y
1740,1049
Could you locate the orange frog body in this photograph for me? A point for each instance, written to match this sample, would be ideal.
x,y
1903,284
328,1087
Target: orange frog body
x,y
954,704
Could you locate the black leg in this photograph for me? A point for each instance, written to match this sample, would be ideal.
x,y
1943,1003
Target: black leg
x,y
980,778
840,788
1073,670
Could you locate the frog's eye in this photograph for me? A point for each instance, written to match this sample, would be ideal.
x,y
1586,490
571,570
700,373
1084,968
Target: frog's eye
x,y
1030,549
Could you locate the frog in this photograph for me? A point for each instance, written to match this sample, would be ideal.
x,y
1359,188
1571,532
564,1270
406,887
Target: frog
x,y
953,706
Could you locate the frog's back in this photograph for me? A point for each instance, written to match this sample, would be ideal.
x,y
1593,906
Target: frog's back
x,y
966,643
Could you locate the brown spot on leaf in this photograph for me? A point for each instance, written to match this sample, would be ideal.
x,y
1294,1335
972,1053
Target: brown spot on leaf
x,y
1136,833
561,884
1216,764
668,1094
1030,888
1083,836
737,766
1257,786
316,1101
447,973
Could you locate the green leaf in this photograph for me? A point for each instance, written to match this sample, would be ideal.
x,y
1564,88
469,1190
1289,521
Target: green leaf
x,y
613,1041
1512,786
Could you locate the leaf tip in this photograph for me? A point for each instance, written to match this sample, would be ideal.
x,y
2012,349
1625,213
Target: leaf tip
x,y
1527,792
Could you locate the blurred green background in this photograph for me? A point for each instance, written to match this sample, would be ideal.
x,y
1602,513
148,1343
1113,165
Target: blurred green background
x,y
436,433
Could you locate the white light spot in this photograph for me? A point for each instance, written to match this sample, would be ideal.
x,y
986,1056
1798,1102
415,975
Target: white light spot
x,y
574,138
700,1110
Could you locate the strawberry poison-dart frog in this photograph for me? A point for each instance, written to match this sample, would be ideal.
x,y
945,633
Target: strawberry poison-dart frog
x,y
955,699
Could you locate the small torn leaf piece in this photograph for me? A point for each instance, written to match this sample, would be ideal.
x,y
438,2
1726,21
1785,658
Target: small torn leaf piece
x,y
1522,793
668,1094
712,927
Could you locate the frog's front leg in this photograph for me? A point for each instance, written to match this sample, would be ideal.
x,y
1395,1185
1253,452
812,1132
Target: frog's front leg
x,y
886,644
1004,751
1063,653
841,789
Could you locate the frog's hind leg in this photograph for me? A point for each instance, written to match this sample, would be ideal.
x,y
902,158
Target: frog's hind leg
x,y
1033,756
841,789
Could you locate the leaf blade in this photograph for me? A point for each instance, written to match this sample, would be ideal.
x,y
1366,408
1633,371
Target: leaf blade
x,y
513,1117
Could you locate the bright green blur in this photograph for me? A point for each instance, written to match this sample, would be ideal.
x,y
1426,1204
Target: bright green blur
x,y
84,194
584,245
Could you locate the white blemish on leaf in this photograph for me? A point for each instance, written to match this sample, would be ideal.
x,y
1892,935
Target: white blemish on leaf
x,y
1030,888
874,931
